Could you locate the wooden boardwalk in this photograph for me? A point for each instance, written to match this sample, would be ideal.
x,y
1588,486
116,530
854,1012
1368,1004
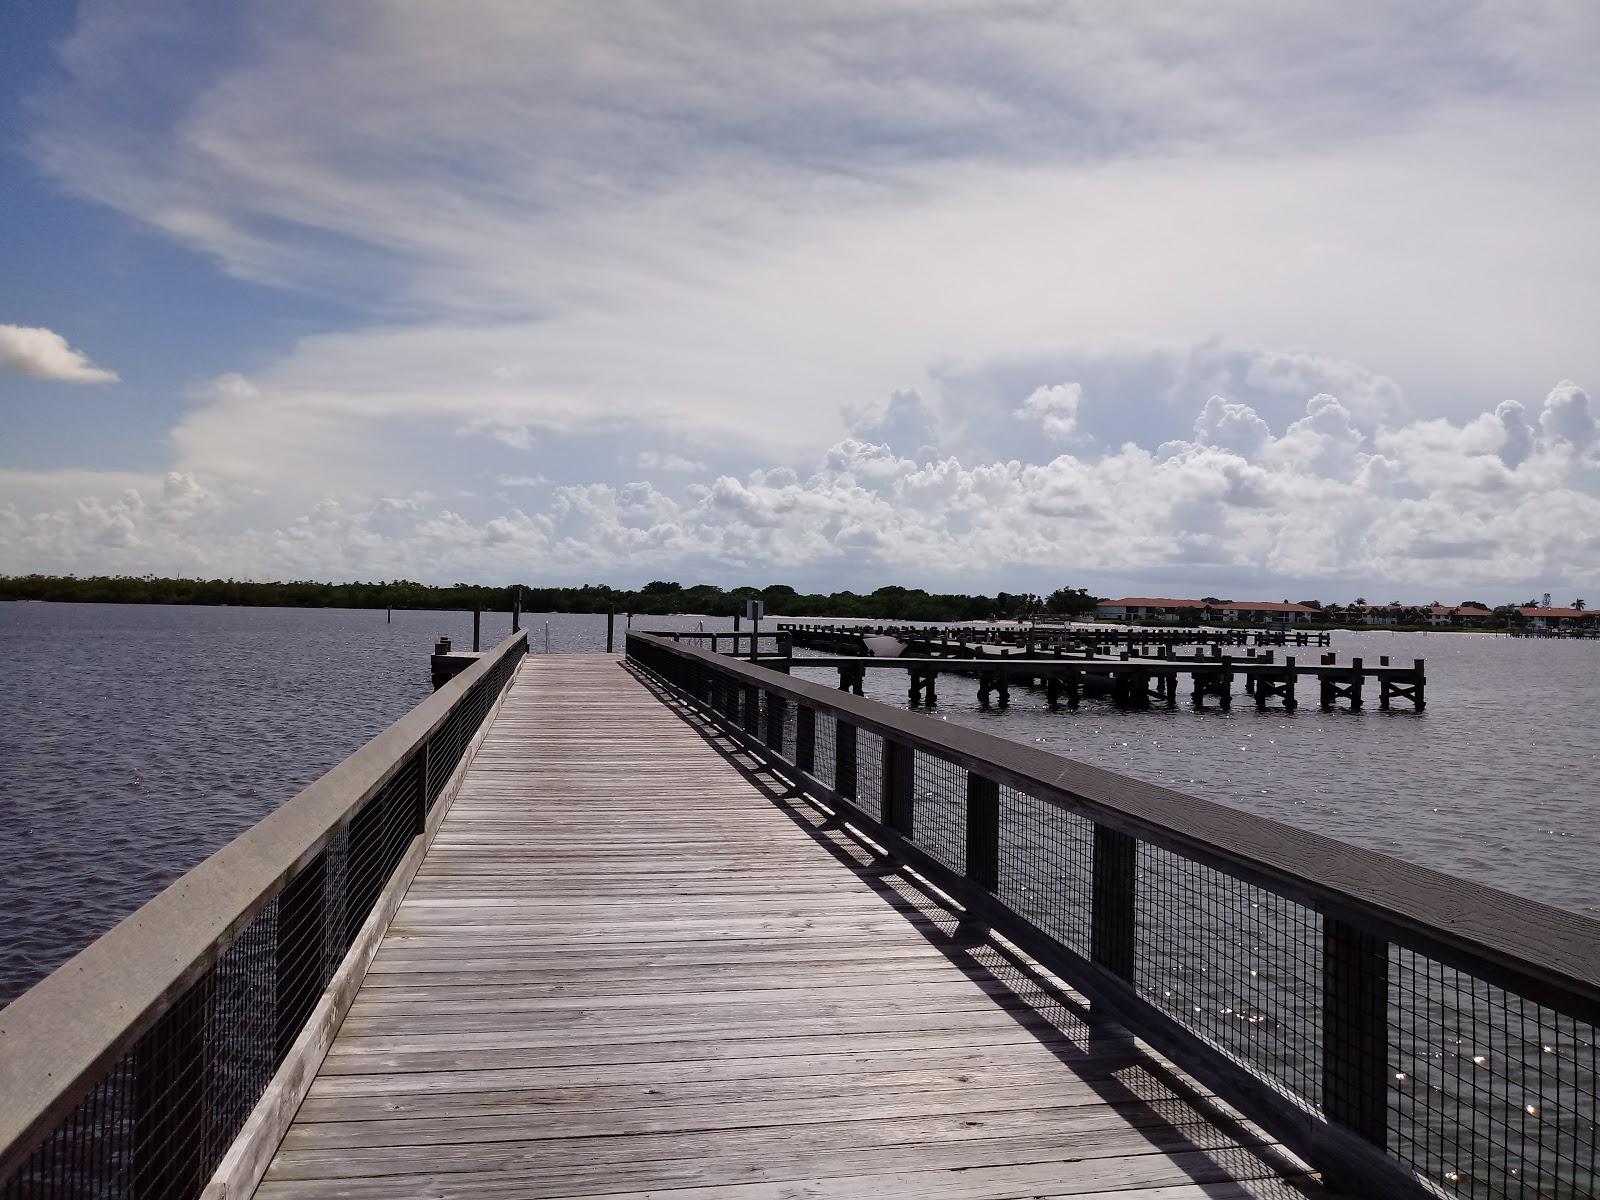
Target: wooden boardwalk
x,y
629,967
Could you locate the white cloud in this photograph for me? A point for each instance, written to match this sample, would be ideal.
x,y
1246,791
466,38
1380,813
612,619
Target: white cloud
x,y
1426,506
656,460
1566,415
44,354
1055,409
1234,427
734,227
573,239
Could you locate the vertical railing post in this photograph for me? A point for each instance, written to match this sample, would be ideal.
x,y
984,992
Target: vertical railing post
x,y
983,832
897,804
752,710
1355,1030
298,952
844,758
1111,912
424,786
777,711
805,738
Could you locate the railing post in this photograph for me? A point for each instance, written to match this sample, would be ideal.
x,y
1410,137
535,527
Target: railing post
x,y
983,832
752,710
777,710
1111,913
1355,1030
301,909
424,787
898,803
844,758
805,738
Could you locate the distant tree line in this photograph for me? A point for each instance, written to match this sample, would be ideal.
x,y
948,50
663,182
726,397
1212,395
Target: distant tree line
x,y
660,597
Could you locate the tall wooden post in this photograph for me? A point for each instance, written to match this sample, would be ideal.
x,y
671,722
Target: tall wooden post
x,y
611,630
516,611
844,759
899,787
1111,905
983,832
477,627
805,739
1355,1033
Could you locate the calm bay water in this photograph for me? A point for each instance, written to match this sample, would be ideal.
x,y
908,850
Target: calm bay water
x,y
136,740
1498,780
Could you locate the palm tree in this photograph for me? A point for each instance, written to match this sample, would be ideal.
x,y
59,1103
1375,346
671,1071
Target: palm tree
x,y
1578,605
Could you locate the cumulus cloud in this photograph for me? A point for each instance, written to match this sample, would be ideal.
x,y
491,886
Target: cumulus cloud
x,y
1054,409
1234,427
1566,415
44,354
852,208
1517,441
907,422
728,232
1425,506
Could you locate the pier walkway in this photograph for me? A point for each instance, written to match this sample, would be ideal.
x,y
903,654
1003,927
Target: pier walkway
x,y
630,964
690,928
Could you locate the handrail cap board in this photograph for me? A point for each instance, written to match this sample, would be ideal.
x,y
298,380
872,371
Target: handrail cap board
x,y
61,1034
1431,910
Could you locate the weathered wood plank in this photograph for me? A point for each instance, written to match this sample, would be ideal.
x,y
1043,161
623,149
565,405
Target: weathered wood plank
x,y
622,969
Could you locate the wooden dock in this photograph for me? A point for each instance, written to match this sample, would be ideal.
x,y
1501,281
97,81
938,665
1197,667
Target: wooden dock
x,y
846,637
687,927
630,965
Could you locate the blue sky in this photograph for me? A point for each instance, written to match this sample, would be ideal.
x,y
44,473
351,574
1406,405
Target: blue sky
x,y
1225,299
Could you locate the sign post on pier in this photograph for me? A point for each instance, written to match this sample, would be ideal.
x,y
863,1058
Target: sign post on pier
x,y
754,610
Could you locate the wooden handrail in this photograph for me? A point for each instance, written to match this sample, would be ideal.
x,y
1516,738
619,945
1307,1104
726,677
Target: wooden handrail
x,y
1332,1105
1552,954
58,1038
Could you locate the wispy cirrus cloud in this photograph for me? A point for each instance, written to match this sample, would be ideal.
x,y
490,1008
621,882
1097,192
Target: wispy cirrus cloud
x,y
571,240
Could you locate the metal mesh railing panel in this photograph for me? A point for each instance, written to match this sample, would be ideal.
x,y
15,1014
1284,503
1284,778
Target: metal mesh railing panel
x,y
1047,867
1491,1095
939,801
869,772
1239,966
1487,1094
827,749
163,1115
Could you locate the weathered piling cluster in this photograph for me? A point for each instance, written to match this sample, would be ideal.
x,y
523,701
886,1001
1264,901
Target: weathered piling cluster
x,y
1101,639
1140,679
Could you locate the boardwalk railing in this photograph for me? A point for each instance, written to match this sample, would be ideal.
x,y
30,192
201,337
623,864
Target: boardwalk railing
x,y
132,1069
1406,1032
